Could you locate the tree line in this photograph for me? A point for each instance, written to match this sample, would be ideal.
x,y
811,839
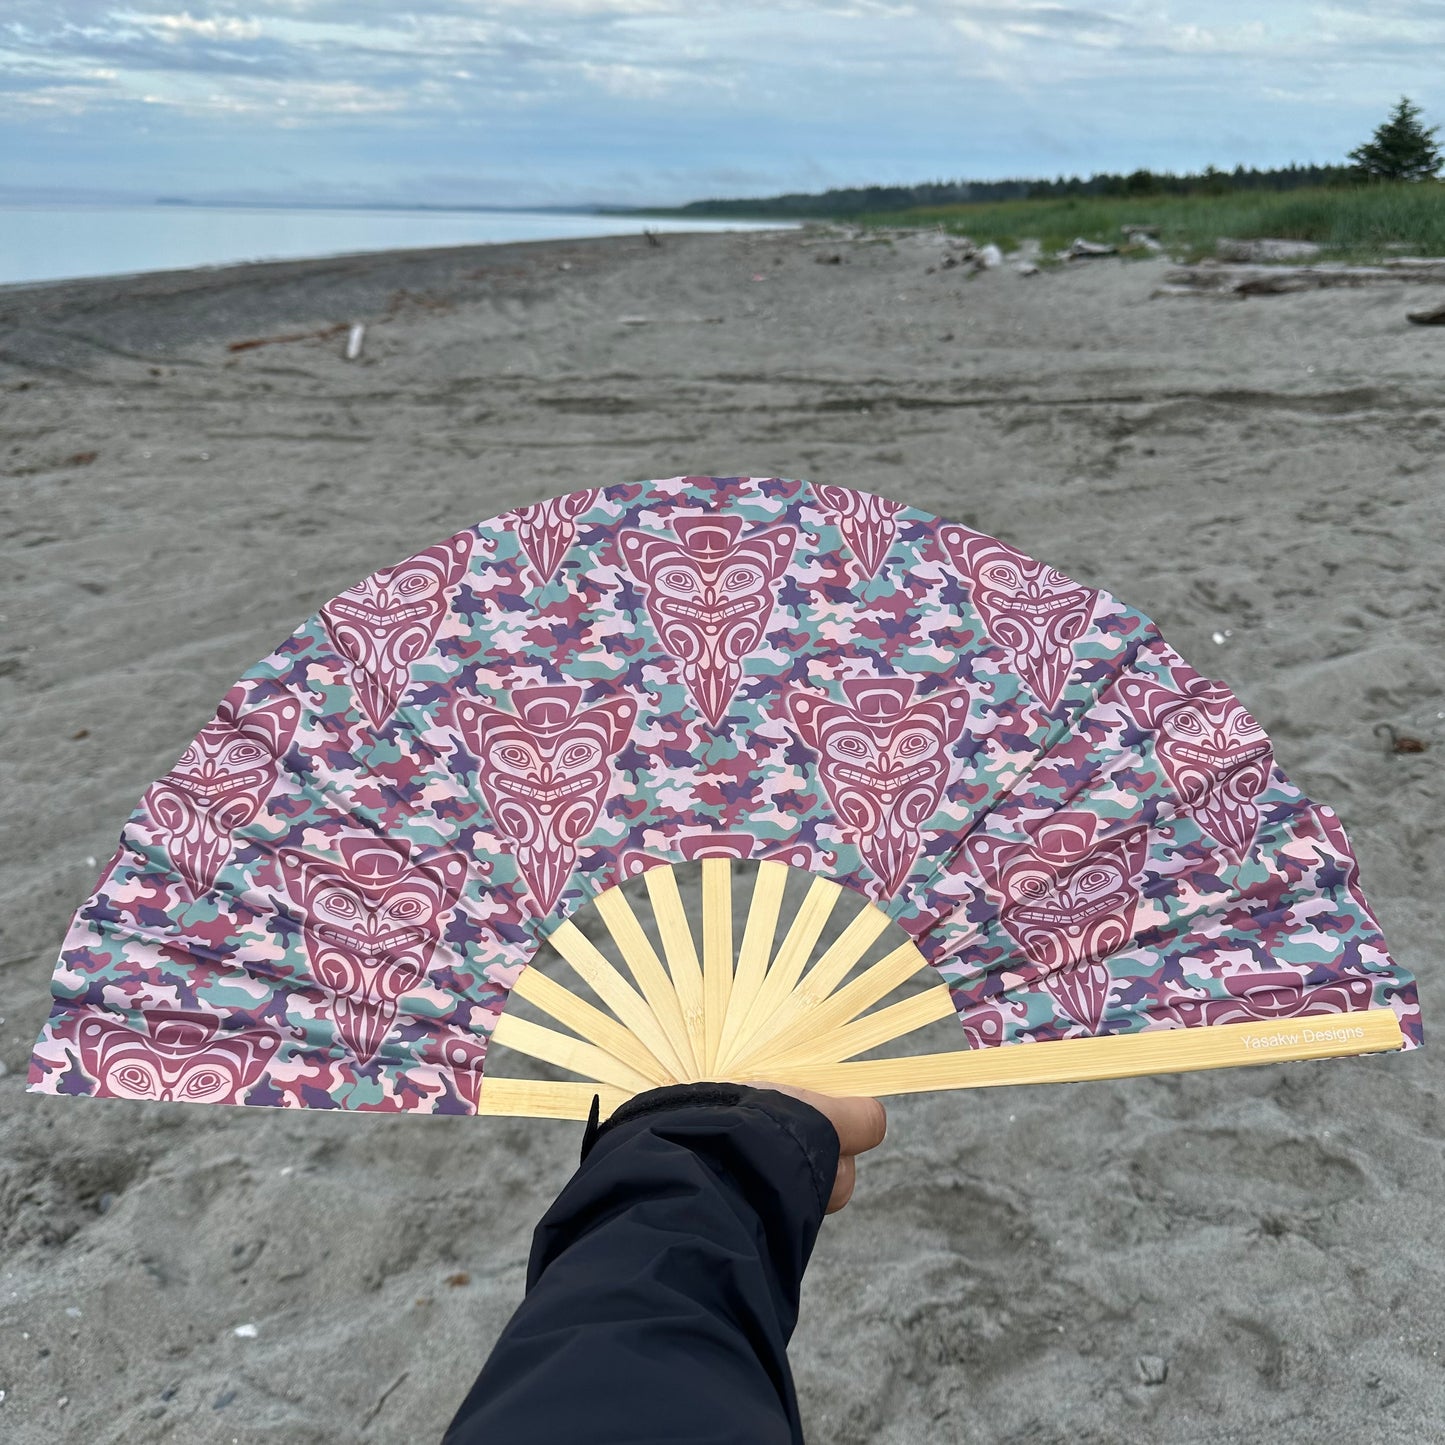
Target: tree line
x,y
1402,149
852,200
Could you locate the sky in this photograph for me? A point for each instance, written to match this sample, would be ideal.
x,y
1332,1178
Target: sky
x,y
637,102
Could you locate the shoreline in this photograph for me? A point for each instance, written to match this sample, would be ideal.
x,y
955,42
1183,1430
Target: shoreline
x,y
163,311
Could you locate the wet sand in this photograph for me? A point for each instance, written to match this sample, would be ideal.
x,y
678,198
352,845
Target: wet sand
x,y
1017,1263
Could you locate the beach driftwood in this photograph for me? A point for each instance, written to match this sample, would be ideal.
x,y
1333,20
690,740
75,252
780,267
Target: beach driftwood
x,y
1265,249
255,341
1082,248
1216,279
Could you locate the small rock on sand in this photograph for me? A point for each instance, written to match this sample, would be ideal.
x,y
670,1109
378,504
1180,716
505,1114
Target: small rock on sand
x,y
1151,1369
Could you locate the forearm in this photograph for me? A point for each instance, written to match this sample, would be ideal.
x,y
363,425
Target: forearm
x,y
663,1284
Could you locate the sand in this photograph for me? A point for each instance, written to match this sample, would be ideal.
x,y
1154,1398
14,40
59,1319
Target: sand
x,y
1263,1244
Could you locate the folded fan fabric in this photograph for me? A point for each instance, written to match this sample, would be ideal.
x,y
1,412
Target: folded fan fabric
x,y
327,900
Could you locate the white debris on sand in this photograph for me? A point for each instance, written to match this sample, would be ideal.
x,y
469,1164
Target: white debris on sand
x,y
1081,249
1142,237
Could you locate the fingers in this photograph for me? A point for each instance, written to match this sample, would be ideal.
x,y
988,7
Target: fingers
x,y
861,1123
843,1183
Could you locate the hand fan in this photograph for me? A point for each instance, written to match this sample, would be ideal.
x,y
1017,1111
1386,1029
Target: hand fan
x,y
330,898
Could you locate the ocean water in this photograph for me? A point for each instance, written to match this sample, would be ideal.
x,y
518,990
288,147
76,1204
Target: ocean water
x,y
53,243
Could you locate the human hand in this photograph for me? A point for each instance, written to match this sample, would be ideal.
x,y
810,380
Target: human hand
x,y
861,1124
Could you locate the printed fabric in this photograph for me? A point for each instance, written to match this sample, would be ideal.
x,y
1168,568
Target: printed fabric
x,y
327,899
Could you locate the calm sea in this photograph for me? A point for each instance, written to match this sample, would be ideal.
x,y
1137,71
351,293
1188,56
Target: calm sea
x,y
52,243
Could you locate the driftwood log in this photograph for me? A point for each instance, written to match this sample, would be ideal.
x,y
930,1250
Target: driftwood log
x,y
1215,279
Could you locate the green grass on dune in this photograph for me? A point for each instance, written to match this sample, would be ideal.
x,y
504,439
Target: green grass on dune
x,y
1357,223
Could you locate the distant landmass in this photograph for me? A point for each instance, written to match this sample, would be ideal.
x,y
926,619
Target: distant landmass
x,y
325,205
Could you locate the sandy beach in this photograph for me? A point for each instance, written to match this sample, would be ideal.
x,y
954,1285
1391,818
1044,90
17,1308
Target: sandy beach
x,y
1243,1256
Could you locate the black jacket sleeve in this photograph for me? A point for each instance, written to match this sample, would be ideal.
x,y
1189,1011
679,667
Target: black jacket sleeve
x,y
663,1283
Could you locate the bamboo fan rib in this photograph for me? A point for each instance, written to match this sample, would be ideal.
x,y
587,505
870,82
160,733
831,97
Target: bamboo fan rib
x,y
717,951
617,994
754,952
763,1013
677,944
793,954
813,1008
637,951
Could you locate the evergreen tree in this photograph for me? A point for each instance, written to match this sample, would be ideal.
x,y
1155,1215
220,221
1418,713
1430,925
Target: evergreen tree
x,y
1402,150
1213,181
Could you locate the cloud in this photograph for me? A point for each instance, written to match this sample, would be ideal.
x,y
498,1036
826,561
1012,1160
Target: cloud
x,y
212,27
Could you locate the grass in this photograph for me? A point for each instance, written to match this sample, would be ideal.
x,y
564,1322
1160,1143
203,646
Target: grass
x,y
1359,223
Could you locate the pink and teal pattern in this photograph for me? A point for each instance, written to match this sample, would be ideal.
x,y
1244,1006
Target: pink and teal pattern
x,y
327,899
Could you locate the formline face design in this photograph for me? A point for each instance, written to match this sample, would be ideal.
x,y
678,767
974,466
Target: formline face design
x,y
1028,608
1216,755
1082,992
383,624
372,917
868,523
220,782
1261,998
463,1056
634,862
184,1058
545,771
710,594
547,529
1067,900
884,759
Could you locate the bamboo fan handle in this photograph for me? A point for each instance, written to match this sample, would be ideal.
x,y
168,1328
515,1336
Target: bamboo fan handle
x,y
1118,1056
537,1099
